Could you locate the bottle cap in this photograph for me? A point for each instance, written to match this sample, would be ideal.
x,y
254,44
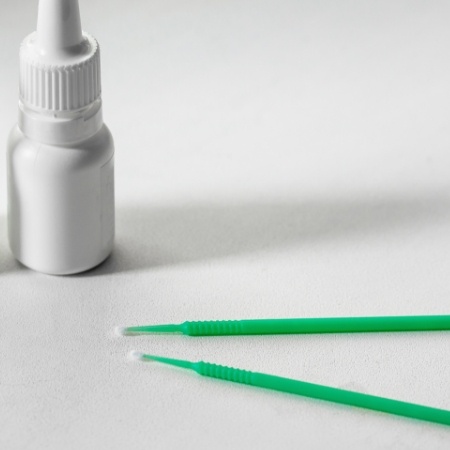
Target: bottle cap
x,y
59,64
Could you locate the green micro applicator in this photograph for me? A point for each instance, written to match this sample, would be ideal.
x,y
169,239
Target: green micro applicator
x,y
297,326
305,389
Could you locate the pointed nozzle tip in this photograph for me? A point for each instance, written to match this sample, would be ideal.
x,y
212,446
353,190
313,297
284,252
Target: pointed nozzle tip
x,y
59,25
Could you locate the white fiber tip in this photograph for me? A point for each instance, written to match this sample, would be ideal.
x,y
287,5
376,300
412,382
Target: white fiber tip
x,y
136,356
121,331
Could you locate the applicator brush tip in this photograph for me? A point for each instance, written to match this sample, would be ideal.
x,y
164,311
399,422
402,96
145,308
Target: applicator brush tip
x,y
120,331
136,356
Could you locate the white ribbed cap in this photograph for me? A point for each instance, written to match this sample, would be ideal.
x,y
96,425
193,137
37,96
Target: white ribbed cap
x,y
59,64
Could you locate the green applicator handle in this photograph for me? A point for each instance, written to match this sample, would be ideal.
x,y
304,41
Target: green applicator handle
x,y
300,326
311,390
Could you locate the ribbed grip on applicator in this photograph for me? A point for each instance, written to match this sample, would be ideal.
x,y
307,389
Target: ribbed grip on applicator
x,y
225,373
214,328
55,87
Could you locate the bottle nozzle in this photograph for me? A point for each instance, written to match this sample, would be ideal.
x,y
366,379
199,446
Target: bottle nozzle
x,y
59,26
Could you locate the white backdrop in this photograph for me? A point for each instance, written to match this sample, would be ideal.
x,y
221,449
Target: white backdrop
x,y
275,158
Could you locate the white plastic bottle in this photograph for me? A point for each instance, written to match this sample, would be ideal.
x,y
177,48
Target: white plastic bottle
x,y
60,155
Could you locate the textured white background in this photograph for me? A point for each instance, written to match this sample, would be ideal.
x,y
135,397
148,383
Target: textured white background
x,y
275,158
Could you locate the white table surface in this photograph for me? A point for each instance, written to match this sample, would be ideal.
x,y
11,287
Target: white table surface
x,y
275,158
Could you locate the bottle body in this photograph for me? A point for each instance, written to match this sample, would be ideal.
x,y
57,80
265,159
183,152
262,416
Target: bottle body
x,y
61,202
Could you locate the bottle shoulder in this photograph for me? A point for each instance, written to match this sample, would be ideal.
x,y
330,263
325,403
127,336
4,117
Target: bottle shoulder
x,y
96,150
